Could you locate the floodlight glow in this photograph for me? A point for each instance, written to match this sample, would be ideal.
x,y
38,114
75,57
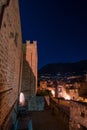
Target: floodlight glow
x,y
21,99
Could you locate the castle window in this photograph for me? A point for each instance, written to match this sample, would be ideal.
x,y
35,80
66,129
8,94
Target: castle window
x,y
82,114
16,39
4,25
10,24
11,35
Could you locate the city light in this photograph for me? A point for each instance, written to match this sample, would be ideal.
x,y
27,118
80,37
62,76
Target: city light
x,y
66,96
53,93
62,93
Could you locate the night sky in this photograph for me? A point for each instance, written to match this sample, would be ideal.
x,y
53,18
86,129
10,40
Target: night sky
x,y
59,26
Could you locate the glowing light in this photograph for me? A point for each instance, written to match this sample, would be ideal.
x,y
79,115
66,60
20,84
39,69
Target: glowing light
x,y
21,99
53,93
62,93
67,97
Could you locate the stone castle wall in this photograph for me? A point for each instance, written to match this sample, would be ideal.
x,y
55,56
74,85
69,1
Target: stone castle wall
x,y
61,111
10,60
78,116
29,79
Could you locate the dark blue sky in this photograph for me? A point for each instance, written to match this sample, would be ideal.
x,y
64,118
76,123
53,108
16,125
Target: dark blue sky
x,y
59,26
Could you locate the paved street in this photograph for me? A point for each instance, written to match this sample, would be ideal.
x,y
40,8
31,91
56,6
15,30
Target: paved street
x,y
45,120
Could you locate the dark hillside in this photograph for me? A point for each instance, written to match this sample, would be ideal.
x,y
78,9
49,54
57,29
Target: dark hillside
x,y
53,68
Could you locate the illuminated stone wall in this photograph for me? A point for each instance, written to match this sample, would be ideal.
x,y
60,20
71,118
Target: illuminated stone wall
x,y
29,79
10,60
78,116
60,108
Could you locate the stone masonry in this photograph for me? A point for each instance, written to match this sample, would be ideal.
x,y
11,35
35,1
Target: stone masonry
x,y
10,59
29,78
78,116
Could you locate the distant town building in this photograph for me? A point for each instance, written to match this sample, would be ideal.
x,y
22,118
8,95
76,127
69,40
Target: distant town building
x,y
83,89
73,93
43,84
86,77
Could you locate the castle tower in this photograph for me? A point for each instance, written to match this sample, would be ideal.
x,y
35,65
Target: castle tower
x,y
29,84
